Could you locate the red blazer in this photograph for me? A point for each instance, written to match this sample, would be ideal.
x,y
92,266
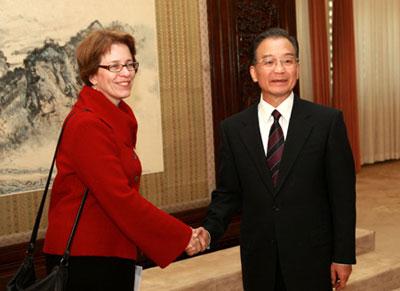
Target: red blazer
x,y
97,151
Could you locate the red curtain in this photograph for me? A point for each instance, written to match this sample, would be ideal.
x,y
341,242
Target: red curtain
x,y
344,71
319,51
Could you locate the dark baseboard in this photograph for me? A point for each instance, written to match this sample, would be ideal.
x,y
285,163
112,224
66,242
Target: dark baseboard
x,y
12,256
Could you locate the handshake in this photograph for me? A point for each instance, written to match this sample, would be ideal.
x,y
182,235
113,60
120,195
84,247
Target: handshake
x,y
199,241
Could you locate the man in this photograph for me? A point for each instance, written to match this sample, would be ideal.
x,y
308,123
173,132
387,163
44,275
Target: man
x,y
287,165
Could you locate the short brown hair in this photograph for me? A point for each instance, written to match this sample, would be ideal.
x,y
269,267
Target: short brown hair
x,y
274,32
95,45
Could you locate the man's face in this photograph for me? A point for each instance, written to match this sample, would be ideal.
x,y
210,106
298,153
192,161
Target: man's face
x,y
276,69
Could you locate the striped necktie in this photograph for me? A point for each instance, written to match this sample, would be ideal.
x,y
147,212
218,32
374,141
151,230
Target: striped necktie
x,y
275,147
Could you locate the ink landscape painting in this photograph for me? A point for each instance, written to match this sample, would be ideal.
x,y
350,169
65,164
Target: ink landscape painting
x,y
39,81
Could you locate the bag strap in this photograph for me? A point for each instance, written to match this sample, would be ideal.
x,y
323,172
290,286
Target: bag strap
x,y
32,242
64,259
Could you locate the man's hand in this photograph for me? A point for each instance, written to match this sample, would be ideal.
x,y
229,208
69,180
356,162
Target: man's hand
x,y
199,241
340,273
194,245
204,237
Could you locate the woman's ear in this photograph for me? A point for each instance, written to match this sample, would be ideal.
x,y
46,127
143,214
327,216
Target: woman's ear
x,y
93,80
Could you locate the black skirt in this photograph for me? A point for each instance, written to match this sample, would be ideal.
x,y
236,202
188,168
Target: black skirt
x,y
97,273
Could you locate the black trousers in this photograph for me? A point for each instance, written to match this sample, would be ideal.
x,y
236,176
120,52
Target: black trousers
x,y
97,273
279,282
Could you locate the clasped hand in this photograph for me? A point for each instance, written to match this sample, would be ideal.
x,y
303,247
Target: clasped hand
x,y
198,242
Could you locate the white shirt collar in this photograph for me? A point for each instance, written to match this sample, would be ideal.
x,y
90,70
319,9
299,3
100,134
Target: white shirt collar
x,y
285,108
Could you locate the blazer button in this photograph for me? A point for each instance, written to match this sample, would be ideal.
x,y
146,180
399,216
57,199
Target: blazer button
x,y
275,208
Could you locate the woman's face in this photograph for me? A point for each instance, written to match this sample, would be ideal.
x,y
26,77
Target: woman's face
x,y
114,85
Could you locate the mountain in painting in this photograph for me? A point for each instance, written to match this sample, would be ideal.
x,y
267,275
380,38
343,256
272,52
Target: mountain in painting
x,y
34,100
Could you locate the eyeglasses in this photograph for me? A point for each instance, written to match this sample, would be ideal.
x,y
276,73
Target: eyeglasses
x,y
286,62
116,68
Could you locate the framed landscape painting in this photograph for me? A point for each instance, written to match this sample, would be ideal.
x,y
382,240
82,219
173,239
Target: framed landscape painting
x,y
39,81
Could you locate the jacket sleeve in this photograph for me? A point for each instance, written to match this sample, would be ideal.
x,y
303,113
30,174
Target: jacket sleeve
x,y
94,155
341,186
226,198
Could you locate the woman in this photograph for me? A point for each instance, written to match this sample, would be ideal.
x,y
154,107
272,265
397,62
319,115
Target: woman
x,y
97,151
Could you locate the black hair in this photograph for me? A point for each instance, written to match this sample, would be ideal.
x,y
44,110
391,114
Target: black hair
x,y
274,32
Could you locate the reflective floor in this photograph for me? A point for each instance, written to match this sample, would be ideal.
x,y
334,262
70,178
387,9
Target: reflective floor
x,y
378,204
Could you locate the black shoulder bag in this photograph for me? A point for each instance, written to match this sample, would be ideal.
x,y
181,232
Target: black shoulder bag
x,y
25,277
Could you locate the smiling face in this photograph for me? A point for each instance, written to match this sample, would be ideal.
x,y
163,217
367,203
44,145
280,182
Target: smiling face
x,y
115,86
276,69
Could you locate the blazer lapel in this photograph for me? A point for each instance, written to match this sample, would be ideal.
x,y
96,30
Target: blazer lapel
x,y
298,132
251,137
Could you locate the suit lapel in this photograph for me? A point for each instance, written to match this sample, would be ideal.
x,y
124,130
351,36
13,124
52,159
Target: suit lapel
x,y
298,132
251,137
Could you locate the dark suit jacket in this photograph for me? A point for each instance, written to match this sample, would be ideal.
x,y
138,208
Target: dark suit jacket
x,y
306,222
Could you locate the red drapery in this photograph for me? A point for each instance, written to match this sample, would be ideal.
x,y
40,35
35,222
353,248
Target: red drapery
x,y
344,91
319,51
344,72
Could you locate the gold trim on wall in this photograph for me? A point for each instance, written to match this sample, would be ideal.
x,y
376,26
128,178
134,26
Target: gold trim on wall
x,y
303,37
185,94
207,95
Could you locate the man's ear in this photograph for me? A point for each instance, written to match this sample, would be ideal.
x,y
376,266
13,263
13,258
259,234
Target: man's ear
x,y
253,73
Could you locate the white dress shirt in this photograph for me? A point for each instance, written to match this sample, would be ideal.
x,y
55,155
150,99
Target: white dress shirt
x,y
266,119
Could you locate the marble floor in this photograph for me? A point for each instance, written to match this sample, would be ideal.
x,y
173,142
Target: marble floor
x,y
378,204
